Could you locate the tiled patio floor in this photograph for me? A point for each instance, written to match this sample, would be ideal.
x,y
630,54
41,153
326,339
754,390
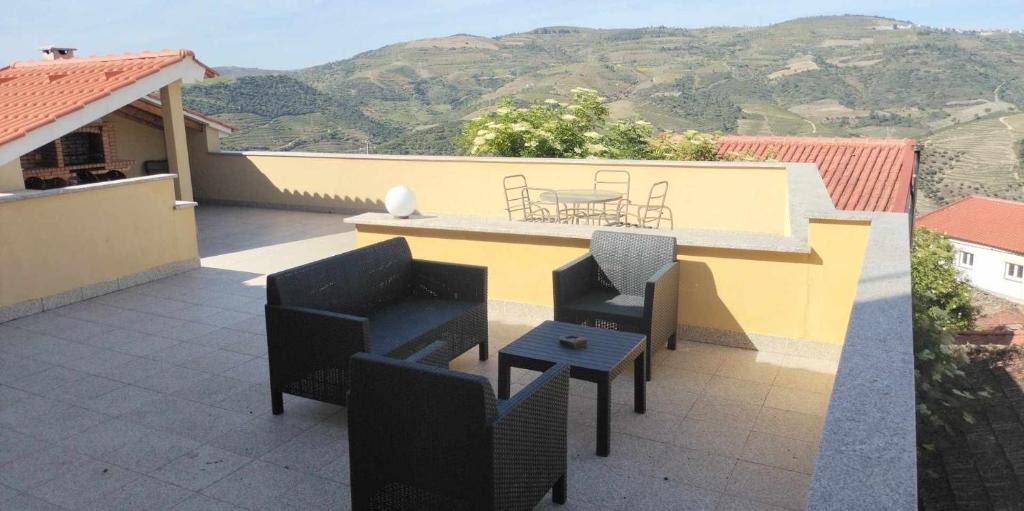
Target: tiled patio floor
x,y
156,398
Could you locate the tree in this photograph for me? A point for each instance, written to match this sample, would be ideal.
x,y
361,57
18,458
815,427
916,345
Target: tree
x,y
578,129
942,306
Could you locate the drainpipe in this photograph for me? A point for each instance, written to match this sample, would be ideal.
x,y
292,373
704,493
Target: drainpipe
x,y
913,188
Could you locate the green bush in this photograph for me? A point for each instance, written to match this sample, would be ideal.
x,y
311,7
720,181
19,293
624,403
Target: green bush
x,y
942,307
577,129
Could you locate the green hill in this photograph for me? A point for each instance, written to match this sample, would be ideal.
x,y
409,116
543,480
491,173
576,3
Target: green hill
x,y
838,75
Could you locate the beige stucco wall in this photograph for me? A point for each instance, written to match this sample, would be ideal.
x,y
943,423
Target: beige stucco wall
x,y
10,176
789,295
730,196
138,142
56,243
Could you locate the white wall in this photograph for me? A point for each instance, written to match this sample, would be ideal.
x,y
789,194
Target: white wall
x,y
989,270
11,179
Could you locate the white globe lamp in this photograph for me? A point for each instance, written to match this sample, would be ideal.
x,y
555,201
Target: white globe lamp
x,y
400,202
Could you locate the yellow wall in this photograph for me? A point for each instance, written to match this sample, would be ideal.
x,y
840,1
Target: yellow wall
x,y
138,142
63,242
11,178
799,296
726,196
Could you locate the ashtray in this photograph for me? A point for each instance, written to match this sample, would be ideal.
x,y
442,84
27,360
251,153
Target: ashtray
x,y
573,342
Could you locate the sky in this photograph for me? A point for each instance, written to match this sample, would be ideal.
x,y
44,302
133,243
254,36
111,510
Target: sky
x,y
279,34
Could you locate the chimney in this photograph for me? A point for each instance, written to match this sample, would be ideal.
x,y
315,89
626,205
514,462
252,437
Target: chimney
x,y
57,53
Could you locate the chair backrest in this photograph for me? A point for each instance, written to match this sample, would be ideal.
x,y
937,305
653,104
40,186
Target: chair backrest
x,y
655,209
627,260
612,180
354,282
516,197
419,426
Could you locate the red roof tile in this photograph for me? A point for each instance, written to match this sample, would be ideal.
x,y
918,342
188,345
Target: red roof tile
x,y
862,174
983,220
36,93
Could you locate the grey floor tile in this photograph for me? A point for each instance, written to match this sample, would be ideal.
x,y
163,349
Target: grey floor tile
x,y
671,495
200,468
186,418
142,493
256,486
199,502
44,383
696,468
171,378
731,503
48,419
14,445
257,437
26,502
180,353
85,482
218,361
311,451
769,485
781,452
44,464
255,370
14,368
131,446
121,400
213,389
11,395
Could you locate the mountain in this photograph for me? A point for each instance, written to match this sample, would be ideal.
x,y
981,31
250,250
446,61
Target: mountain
x,y
236,72
837,75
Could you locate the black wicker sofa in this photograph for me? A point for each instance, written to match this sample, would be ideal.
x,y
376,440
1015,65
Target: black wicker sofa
x,y
374,299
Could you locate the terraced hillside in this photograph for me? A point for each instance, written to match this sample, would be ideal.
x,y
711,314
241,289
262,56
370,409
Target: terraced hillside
x,y
827,76
979,157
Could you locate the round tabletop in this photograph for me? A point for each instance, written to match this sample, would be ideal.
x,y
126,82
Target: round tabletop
x,y
580,196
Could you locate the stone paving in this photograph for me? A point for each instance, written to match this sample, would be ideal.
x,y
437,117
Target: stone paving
x,y
156,397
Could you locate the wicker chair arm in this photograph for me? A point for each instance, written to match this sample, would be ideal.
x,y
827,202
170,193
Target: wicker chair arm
x,y
661,300
449,281
435,354
314,326
573,280
529,440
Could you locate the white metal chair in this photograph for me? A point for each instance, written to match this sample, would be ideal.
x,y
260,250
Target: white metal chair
x,y
652,214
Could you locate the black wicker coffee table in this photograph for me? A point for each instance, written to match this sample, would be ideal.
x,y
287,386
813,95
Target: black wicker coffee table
x,y
606,355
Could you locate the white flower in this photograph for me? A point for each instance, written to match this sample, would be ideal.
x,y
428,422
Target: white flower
x,y
503,110
551,101
642,123
568,117
596,148
592,134
478,141
520,126
481,132
490,136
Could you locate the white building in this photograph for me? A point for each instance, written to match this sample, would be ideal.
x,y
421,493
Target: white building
x,y
988,236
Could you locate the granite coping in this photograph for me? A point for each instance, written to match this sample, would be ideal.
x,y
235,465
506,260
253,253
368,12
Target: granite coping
x,y
867,457
20,195
704,238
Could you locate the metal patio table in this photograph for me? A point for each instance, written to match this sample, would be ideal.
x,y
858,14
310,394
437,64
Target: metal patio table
x,y
583,204
607,355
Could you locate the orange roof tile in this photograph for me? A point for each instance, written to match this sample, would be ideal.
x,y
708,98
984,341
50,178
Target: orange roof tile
x,y
861,174
36,93
983,220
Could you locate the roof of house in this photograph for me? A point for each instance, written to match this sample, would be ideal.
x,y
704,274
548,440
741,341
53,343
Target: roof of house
x,y
37,93
983,220
861,174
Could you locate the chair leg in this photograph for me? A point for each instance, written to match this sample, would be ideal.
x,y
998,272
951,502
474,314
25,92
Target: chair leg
x,y
277,402
483,351
650,366
672,342
559,491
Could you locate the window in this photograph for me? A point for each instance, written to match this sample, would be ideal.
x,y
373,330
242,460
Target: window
x,y
82,148
1015,271
966,259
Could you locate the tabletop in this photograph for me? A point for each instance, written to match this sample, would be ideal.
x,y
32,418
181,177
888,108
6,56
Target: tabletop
x,y
606,349
581,196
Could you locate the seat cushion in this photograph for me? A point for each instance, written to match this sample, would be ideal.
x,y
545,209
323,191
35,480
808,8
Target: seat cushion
x,y
397,323
608,304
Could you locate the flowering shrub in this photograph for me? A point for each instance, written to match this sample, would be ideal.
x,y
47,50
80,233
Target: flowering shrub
x,y
577,129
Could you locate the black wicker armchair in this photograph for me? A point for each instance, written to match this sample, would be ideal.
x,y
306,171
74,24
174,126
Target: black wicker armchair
x,y
424,437
629,282
375,299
